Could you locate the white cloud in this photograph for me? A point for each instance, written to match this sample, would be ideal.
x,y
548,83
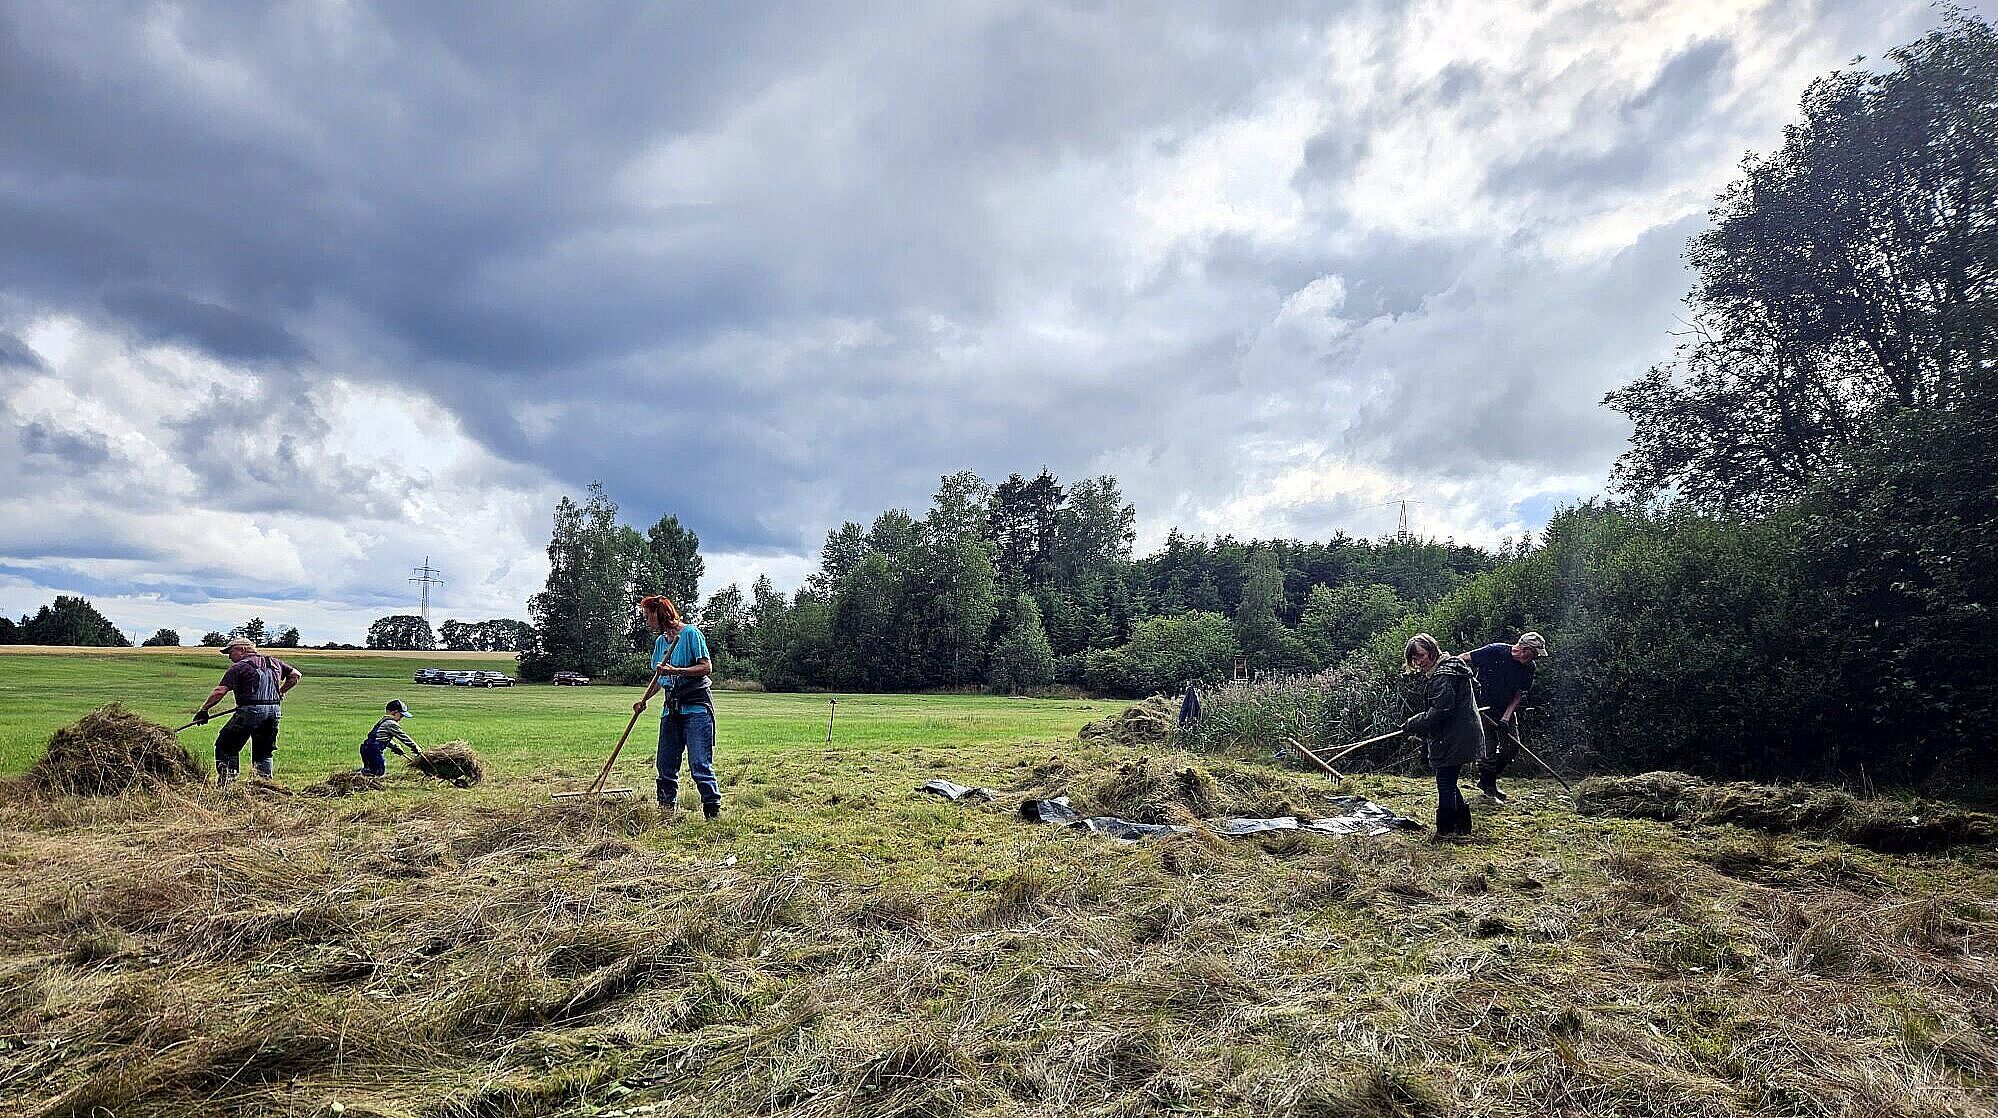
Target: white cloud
x,y
149,520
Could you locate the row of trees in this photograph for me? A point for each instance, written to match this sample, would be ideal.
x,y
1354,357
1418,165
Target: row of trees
x,y
73,621
410,632
1012,586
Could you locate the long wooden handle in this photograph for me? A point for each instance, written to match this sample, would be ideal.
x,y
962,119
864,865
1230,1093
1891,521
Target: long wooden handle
x,y
1314,759
603,774
1389,736
210,718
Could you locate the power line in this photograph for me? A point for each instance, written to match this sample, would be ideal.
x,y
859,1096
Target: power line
x,y
425,577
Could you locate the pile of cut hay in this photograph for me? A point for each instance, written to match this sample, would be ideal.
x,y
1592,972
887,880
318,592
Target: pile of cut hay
x,y
1180,788
1889,825
1148,723
1163,793
345,783
452,762
1663,796
110,751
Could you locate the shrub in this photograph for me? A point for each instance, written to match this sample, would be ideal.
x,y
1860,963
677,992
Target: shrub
x,y
1323,710
1163,654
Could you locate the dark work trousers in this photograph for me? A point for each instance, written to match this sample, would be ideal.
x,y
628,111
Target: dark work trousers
x,y
1453,812
374,760
1501,746
257,725
691,733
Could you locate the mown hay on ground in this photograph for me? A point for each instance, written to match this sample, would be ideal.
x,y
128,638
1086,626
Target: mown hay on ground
x,y
452,762
109,751
1144,792
346,783
1181,787
1663,796
474,955
1891,825
1148,723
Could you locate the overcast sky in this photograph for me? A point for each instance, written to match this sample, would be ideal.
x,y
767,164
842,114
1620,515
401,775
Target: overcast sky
x,y
294,295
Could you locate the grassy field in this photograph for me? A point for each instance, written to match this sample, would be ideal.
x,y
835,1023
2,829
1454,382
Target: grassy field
x,y
837,946
518,731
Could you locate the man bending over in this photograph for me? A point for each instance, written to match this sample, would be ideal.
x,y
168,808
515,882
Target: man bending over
x,y
1505,675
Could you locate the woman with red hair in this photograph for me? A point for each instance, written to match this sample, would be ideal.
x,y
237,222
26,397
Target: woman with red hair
x,y
687,724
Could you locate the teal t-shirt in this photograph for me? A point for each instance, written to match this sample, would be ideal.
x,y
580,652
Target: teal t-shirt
x,y
681,653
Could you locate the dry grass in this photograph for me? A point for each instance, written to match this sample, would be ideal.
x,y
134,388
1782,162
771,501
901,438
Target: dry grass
x,y
452,762
894,955
110,751
1148,723
346,782
1889,824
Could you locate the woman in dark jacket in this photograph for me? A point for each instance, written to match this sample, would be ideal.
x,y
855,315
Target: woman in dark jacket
x,y
1449,727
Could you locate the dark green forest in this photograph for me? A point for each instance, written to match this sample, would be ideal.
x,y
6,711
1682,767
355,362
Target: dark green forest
x,y
1015,586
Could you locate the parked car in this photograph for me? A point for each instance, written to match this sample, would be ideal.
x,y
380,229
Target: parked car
x,y
431,675
571,679
491,679
460,679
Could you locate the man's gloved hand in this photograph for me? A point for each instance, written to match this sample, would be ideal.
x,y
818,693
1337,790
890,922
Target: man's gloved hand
x,y
201,717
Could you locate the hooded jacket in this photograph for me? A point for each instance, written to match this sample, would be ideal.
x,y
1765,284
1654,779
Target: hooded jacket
x,y
1450,726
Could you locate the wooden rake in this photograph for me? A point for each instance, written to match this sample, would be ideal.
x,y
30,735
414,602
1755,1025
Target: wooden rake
x,y
1324,764
1524,748
596,788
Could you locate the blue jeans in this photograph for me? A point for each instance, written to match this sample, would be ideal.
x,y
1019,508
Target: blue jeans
x,y
374,760
691,733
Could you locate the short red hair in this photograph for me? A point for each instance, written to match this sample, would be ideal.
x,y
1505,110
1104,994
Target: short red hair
x,y
661,609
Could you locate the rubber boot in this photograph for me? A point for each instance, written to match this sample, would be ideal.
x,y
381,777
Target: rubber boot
x,y
711,811
266,768
1464,819
223,775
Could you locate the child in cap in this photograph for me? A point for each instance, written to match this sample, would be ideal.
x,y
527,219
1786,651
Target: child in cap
x,y
386,736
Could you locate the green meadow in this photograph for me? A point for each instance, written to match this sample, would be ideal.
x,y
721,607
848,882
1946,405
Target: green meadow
x,y
517,730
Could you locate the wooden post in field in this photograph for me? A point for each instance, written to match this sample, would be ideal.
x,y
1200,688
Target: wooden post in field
x,y
832,708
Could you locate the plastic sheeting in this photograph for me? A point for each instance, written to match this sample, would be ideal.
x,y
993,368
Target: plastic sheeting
x,y
1358,816
954,792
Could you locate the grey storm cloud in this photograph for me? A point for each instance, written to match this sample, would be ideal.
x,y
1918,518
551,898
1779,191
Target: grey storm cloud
x,y
16,354
76,450
769,266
